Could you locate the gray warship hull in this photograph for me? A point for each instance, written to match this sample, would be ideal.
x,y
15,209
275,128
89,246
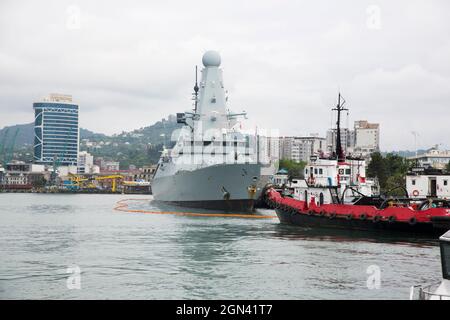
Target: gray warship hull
x,y
225,187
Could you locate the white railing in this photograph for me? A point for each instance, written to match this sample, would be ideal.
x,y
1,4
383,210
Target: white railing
x,y
426,293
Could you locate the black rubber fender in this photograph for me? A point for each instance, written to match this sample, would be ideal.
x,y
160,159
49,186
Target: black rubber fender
x,y
376,218
392,219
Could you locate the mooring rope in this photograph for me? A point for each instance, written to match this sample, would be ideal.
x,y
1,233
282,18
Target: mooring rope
x,y
122,205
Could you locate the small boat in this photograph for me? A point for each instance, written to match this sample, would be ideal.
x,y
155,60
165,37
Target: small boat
x,y
438,291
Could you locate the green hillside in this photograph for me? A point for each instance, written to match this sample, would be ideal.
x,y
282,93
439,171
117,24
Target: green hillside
x,y
138,147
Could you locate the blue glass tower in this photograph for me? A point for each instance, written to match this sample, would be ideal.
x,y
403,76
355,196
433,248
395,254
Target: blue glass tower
x,y
56,131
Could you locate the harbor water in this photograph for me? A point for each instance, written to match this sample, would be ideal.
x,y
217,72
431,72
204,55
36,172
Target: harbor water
x,y
138,255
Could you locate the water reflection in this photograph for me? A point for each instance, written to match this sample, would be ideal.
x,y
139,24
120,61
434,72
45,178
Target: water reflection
x,y
329,234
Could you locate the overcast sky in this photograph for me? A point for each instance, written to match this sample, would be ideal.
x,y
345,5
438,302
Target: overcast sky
x,y
131,63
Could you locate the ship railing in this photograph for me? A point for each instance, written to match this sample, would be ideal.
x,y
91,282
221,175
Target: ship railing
x,y
427,292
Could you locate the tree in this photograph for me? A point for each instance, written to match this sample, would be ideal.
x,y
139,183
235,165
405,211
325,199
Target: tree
x,y
390,171
294,168
377,168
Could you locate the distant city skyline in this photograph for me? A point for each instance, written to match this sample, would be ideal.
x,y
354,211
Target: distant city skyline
x,y
129,65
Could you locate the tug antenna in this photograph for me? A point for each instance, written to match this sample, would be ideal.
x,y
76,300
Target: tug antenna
x,y
339,108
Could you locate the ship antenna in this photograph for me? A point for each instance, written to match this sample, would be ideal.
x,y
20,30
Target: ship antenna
x,y
339,108
196,90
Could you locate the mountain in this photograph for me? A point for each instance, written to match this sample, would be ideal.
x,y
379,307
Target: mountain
x,y
138,147
406,153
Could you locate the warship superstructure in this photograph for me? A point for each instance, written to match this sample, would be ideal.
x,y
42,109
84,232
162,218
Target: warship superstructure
x,y
213,164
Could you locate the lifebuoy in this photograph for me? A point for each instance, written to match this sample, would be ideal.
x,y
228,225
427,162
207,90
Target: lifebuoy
x,y
415,193
349,216
363,216
310,212
392,219
322,213
332,215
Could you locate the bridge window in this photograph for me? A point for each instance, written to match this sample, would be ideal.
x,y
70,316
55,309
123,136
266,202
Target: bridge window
x,y
445,182
413,182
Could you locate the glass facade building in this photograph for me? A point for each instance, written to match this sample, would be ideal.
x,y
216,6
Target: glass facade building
x,y
56,131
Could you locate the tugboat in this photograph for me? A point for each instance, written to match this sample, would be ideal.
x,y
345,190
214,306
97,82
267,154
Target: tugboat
x,y
337,194
213,164
438,291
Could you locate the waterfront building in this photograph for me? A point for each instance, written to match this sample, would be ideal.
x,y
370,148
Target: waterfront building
x,y
19,175
428,182
281,178
145,173
86,163
433,158
110,166
56,130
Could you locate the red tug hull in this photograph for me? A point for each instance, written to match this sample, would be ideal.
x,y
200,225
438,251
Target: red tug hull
x,y
358,217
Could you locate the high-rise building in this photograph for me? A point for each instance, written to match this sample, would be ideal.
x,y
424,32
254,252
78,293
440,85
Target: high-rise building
x,y
268,149
347,141
367,137
301,148
56,131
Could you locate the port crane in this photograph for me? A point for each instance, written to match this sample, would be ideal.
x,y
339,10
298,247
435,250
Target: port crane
x,y
113,179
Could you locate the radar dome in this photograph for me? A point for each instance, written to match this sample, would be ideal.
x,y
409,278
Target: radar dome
x,y
211,59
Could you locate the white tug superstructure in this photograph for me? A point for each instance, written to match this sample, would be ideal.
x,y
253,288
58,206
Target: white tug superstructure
x,y
332,181
213,165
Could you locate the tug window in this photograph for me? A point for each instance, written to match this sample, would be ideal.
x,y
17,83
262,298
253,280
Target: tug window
x,y
320,171
315,170
413,182
445,182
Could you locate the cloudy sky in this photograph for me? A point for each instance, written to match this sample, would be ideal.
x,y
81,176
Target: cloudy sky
x,y
130,63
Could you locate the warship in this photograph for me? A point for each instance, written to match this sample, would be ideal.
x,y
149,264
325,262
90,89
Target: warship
x,y
213,164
